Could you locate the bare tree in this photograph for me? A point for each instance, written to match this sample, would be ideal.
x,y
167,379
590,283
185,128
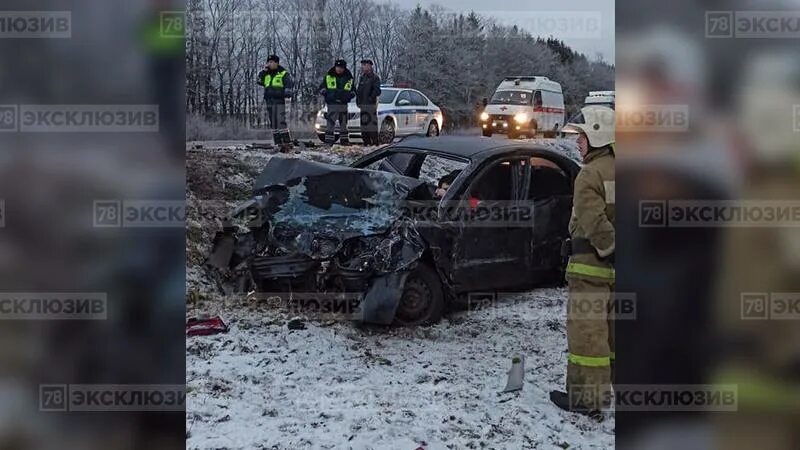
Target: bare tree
x,y
456,59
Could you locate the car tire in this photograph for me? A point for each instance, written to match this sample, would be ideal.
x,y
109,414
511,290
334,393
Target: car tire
x,y
335,137
422,300
533,128
387,132
433,129
486,133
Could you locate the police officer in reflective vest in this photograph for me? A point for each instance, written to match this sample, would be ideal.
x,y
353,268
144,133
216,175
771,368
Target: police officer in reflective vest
x,y
337,87
590,272
277,88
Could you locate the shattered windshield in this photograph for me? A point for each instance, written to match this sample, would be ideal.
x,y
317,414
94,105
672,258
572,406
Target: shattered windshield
x,y
511,98
314,195
436,168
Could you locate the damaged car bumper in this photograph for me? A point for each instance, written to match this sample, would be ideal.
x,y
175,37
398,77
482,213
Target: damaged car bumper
x,y
312,227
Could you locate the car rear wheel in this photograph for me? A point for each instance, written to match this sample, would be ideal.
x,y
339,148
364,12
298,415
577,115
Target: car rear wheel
x,y
433,129
422,301
335,137
387,132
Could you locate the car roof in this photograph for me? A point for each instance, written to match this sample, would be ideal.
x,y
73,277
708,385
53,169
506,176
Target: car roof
x,y
470,147
398,89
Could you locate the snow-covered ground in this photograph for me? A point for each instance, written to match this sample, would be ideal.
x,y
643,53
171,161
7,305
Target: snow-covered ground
x,y
336,385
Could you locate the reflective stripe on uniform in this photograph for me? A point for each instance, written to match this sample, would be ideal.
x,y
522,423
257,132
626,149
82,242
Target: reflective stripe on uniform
x,y
592,271
330,81
276,81
349,85
758,392
589,361
610,187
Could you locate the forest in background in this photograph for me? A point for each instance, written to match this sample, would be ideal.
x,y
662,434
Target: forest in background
x,y
456,59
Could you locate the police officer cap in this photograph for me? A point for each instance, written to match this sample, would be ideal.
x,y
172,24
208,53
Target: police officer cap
x,y
273,58
340,63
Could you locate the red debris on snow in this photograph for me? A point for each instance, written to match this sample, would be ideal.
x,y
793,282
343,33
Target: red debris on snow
x,y
205,327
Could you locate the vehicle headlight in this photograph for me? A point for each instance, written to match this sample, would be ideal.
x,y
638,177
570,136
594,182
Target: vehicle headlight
x,y
484,116
521,118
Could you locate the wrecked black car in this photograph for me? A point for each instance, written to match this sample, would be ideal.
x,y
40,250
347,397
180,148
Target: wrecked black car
x,y
410,227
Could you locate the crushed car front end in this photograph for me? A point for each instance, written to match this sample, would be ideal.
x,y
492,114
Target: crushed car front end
x,y
314,227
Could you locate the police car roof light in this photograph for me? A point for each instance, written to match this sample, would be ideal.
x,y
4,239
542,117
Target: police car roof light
x,y
525,78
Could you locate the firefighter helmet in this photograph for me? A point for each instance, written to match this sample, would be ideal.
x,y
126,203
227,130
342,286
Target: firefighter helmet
x,y
596,122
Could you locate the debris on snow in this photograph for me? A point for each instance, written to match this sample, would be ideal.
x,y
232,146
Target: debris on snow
x,y
204,327
296,324
516,375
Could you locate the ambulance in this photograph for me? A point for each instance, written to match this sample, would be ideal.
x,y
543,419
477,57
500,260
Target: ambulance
x,y
524,106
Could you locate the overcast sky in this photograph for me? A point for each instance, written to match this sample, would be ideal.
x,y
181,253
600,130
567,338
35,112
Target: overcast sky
x,y
585,25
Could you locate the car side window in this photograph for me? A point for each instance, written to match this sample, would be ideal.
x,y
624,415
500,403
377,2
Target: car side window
x,y
500,182
400,161
537,98
435,168
554,99
396,163
417,99
547,180
405,95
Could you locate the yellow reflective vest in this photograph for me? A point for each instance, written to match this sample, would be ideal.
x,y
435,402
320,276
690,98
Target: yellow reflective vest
x,y
274,81
330,83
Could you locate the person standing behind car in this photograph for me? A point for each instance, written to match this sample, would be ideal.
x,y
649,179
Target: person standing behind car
x,y
337,87
367,94
277,88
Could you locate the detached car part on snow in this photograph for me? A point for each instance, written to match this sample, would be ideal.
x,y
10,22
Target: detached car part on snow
x,y
375,228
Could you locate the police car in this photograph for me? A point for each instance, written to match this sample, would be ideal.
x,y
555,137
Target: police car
x,y
602,98
401,112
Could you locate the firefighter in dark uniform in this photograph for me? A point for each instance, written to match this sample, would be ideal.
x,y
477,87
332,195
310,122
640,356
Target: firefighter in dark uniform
x,y
277,88
337,87
367,94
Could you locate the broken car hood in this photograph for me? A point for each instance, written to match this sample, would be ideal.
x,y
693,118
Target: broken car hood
x,y
314,207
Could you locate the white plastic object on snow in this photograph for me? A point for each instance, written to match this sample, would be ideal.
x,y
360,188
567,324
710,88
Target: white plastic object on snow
x,y
516,374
